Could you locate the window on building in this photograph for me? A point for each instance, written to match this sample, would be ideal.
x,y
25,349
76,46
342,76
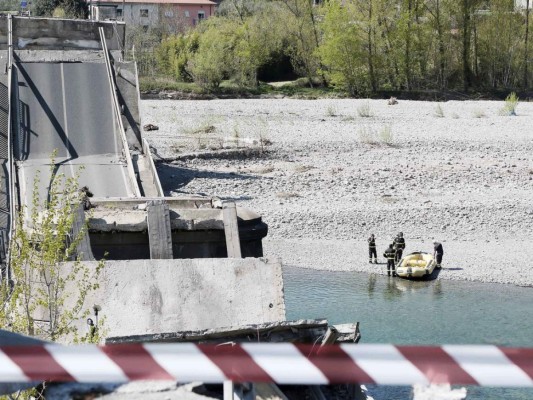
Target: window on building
x,y
119,12
201,15
144,13
187,13
169,13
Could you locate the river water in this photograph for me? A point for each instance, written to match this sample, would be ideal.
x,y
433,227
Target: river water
x,y
397,311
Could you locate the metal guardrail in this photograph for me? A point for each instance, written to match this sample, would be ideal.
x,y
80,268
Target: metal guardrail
x,y
151,166
6,236
116,107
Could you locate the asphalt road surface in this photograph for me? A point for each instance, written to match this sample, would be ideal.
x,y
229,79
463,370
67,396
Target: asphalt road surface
x,y
67,107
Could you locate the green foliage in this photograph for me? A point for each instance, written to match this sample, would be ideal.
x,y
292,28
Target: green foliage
x,y
439,112
500,46
257,40
331,111
141,46
148,83
342,50
358,46
212,61
76,9
242,9
59,13
302,36
174,53
364,110
511,102
231,47
386,135
9,5
46,299
479,113
371,136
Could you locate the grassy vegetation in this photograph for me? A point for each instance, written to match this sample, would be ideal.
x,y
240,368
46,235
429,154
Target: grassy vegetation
x,y
364,110
439,113
511,102
371,136
300,89
228,88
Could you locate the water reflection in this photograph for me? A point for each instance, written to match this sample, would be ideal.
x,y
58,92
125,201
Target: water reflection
x,y
403,312
393,290
371,284
390,308
405,285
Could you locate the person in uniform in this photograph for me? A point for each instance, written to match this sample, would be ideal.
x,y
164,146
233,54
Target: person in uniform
x,y
372,249
438,252
399,245
390,255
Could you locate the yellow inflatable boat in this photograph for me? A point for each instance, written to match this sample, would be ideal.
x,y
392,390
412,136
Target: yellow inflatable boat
x,y
416,265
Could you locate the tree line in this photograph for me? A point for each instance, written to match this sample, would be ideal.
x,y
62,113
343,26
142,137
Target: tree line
x,y
358,46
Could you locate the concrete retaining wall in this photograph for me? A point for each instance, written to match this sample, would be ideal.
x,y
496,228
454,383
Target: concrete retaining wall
x,y
155,296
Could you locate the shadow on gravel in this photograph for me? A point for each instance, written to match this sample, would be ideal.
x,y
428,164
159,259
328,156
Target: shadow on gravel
x,y
237,198
173,178
434,275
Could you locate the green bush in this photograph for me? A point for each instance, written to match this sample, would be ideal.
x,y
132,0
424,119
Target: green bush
x,y
511,102
42,240
174,53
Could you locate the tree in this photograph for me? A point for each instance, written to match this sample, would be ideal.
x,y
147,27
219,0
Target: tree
x,y
526,46
241,9
370,15
71,8
257,39
43,299
9,5
499,46
174,53
440,23
342,49
303,37
466,9
141,45
213,60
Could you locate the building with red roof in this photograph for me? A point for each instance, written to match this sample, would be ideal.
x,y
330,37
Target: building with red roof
x,y
176,14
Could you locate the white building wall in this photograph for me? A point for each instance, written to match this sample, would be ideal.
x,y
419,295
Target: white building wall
x,y
521,4
134,14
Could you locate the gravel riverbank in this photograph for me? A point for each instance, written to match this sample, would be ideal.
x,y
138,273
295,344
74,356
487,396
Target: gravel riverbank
x,y
335,171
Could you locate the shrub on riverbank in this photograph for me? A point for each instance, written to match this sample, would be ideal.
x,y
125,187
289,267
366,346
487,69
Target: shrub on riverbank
x,y
416,50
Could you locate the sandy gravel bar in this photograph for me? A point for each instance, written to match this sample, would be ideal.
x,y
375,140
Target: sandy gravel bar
x,y
458,172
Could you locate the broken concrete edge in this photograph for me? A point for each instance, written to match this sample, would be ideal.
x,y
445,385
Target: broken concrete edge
x,y
187,214
275,332
227,333
129,215
188,202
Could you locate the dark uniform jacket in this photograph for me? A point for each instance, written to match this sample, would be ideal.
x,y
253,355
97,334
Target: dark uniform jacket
x,y
438,248
372,242
399,243
389,253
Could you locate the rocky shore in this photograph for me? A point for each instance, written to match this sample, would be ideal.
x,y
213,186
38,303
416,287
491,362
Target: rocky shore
x,y
326,173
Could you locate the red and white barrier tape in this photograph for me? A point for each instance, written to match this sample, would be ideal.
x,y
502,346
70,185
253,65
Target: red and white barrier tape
x,y
266,362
